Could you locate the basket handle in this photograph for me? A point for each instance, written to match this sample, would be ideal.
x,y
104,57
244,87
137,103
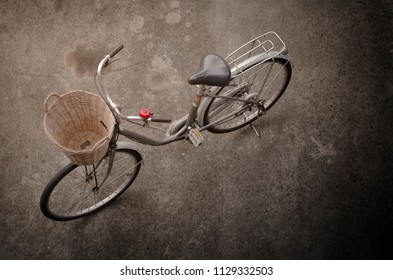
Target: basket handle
x,y
46,102
99,143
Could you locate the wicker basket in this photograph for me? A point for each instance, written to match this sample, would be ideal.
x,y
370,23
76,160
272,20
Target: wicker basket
x,y
80,124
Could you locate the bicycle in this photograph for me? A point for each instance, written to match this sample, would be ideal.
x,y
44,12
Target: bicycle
x,y
232,93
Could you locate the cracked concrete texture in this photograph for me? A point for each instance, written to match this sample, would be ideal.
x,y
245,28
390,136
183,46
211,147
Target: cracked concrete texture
x,y
316,185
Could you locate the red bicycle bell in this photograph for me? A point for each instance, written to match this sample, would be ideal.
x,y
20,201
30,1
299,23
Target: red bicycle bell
x,y
144,113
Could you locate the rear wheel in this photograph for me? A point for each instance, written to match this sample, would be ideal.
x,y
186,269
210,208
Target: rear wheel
x,y
250,93
76,191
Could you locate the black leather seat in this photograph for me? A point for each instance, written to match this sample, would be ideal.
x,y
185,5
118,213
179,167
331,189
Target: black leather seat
x,y
213,71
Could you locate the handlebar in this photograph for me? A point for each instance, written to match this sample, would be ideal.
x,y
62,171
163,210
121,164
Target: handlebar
x,y
115,50
112,53
104,93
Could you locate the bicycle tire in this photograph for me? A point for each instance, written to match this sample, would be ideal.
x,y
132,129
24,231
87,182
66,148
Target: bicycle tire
x,y
242,86
62,200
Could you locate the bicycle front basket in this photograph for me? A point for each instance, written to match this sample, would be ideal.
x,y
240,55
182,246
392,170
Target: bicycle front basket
x,y
80,124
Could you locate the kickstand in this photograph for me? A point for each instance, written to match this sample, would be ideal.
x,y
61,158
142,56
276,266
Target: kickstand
x,y
261,112
255,130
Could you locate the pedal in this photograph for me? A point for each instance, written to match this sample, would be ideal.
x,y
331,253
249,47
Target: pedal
x,y
195,137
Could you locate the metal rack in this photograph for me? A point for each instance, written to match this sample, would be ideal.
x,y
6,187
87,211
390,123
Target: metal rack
x,y
263,48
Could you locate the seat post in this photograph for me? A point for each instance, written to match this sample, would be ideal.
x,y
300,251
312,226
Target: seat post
x,y
195,105
198,96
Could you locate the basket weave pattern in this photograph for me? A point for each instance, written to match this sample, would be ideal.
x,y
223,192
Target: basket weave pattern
x,y
80,124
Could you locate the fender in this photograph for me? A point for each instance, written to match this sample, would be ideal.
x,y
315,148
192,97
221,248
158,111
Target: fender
x,y
234,72
131,146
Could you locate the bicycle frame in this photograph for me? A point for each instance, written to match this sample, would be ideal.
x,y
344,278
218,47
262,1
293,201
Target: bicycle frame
x,y
195,116
180,135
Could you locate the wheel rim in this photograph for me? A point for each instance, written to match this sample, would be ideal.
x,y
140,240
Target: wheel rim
x,y
76,194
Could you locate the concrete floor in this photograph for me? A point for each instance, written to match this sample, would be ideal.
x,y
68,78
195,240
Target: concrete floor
x,y
316,185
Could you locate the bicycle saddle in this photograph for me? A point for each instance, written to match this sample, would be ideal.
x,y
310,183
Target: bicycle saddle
x,y
213,71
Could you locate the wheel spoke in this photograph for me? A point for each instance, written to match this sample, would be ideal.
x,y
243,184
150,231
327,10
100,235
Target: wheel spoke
x,y
113,179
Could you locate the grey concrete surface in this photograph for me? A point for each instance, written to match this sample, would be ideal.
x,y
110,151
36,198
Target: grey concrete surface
x,y
316,185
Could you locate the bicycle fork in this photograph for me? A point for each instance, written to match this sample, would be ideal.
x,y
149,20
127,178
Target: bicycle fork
x,y
110,156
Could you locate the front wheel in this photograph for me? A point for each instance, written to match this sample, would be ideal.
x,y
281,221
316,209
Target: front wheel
x,y
252,91
77,191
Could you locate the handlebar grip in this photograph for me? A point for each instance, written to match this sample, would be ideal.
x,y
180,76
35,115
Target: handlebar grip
x,y
160,120
115,50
